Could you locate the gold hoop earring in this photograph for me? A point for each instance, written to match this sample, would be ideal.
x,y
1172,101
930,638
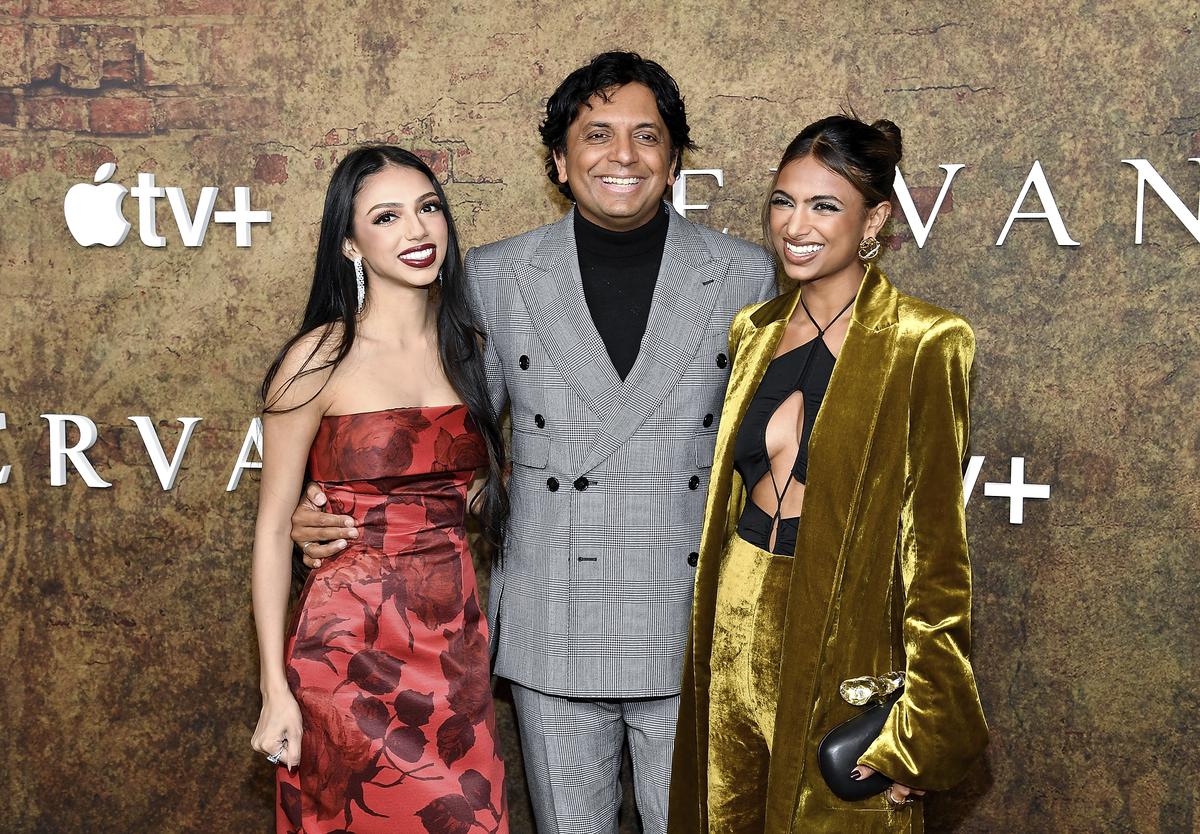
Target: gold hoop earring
x,y
869,249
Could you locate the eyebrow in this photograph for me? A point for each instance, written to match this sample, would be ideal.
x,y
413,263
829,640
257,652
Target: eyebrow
x,y
813,199
400,205
640,126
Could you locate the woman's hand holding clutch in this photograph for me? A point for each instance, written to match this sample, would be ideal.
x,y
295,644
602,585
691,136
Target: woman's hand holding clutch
x,y
896,795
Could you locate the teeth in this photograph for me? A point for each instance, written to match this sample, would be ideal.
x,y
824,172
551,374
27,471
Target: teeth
x,y
620,180
419,255
807,249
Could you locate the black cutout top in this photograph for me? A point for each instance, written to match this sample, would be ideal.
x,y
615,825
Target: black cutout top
x,y
806,369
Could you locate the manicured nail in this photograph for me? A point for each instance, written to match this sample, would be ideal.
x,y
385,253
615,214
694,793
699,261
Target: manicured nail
x,y
316,563
340,543
320,500
855,775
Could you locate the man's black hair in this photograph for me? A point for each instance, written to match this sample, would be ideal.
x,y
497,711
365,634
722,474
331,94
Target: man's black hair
x,y
599,77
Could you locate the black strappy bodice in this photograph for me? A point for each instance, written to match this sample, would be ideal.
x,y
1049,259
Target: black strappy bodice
x,y
806,369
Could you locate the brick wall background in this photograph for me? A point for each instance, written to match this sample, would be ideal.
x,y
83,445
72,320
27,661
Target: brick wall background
x,y
130,672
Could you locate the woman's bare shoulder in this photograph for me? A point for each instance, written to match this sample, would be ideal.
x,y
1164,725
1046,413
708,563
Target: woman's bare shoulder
x,y
306,368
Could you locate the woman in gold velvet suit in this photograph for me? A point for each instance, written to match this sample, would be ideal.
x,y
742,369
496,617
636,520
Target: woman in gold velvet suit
x,y
834,542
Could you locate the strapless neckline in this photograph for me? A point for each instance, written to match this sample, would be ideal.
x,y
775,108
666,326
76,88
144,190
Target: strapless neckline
x,y
449,407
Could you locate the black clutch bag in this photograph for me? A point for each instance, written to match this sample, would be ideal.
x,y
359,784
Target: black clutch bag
x,y
842,746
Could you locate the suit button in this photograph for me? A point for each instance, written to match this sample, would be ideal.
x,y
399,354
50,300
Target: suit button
x,y
581,483
524,363
708,418
552,484
694,482
693,559
540,421
722,360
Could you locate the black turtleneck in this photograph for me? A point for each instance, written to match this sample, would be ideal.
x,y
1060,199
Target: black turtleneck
x,y
619,271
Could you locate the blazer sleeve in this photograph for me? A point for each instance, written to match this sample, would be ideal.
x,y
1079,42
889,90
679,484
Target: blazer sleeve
x,y
937,727
492,367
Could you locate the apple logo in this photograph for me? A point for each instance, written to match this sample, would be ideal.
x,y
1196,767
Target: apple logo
x,y
93,212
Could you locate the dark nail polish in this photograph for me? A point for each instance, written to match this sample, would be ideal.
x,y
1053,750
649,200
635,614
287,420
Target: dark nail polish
x,y
855,775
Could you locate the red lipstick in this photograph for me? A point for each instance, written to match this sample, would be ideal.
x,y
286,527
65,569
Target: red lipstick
x,y
419,257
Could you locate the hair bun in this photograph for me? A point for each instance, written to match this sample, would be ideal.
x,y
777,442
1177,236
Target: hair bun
x,y
889,129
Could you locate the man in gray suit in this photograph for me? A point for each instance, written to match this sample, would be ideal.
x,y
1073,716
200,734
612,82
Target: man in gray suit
x,y
607,339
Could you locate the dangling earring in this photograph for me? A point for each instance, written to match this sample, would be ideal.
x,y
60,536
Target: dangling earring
x,y
360,280
868,249
435,289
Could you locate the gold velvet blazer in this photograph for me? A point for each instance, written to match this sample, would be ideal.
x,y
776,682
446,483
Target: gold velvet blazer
x,y
882,581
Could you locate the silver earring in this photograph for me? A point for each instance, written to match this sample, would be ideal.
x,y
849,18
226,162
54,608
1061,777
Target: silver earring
x,y
360,281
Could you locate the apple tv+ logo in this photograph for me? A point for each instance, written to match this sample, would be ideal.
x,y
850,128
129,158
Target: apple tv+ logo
x,y
94,215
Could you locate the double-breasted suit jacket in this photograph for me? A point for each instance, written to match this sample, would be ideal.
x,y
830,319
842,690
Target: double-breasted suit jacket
x,y
881,580
592,596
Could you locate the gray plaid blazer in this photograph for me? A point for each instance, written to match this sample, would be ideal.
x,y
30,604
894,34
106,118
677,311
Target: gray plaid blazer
x,y
593,595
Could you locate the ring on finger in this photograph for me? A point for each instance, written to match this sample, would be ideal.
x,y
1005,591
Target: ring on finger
x,y
304,547
896,804
278,754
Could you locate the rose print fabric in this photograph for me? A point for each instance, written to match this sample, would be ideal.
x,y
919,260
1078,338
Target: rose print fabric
x,y
388,653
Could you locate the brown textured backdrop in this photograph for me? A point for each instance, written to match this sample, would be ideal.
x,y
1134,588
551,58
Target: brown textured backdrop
x,y
129,665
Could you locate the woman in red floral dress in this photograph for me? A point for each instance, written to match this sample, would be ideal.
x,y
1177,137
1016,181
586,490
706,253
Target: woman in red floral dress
x,y
377,702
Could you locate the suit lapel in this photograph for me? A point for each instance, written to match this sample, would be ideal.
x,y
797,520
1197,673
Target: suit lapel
x,y
689,281
553,292
754,351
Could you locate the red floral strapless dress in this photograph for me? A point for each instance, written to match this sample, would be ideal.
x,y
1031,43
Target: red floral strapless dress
x,y
388,652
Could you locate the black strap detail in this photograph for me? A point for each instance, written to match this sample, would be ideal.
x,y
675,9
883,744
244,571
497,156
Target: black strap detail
x,y
821,330
777,517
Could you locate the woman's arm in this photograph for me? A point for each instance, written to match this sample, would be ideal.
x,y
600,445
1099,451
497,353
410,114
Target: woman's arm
x,y
937,728
287,438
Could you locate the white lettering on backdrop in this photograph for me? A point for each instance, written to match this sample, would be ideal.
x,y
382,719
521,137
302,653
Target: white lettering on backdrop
x,y
167,471
60,452
252,443
94,215
1036,180
1147,175
1016,489
6,469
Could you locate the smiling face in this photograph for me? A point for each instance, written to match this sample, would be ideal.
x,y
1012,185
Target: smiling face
x,y
399,227
618,160
817,219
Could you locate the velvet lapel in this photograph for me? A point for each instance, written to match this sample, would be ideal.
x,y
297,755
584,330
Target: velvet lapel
x,y
839,449
755,350
689,281
553,293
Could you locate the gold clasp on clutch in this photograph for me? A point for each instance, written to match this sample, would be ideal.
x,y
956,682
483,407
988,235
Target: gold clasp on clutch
x,y
867,689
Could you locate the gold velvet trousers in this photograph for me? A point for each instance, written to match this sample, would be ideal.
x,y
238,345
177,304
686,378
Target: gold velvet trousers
x,y
752,593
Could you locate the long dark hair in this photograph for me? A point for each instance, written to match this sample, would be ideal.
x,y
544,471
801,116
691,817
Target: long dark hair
x,y
333,305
